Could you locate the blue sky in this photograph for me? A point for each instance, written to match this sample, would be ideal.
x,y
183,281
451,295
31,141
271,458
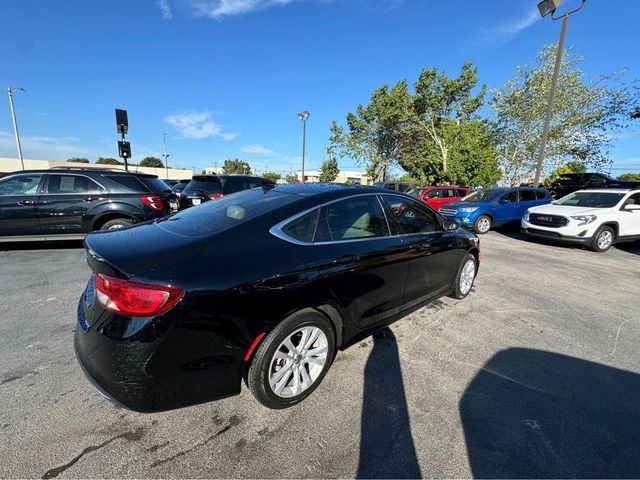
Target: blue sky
x,y
226,78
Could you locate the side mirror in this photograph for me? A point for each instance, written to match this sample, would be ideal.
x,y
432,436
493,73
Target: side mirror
x,y
632,207
449,225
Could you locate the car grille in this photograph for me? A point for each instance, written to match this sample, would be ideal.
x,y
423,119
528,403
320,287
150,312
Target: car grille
x,y
543,233
447,211
547,220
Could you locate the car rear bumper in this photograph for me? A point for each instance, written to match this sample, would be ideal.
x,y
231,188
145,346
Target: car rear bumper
x,y
162,366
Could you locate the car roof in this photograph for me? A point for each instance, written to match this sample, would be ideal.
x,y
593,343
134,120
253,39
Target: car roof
x,y
608,190
109,171
336,190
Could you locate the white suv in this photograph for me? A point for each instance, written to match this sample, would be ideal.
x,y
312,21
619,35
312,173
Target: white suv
x,y
596,218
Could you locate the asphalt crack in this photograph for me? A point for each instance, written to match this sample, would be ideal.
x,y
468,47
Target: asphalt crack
x,y
128,436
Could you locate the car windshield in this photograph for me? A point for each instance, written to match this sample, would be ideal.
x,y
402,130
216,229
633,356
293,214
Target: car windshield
x,y
485,195
218,216
209,186
591,199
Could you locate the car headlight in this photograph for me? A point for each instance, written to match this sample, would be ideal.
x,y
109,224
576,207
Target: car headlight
x,y
526,216
585,219
468,209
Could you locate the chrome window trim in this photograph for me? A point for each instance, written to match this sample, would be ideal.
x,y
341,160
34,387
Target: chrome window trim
x,y
6,177
76,193
276,230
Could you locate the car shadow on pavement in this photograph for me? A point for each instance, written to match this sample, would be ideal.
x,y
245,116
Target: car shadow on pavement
x,y
536,414
386,445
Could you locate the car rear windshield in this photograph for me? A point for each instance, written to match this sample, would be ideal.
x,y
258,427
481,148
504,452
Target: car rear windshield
x,y
591,199
485,195
156,185
128,181
206,185
228,212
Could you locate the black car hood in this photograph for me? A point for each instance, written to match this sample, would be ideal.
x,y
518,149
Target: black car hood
x,y
143,252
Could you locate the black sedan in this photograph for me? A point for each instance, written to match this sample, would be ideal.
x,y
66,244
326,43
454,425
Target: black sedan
x,y
264,285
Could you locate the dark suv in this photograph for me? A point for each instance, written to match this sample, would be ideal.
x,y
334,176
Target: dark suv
x,y
67,203
203,188
397,186
572,182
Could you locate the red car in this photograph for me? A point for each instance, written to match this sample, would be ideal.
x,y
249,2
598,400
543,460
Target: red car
x,y
435,197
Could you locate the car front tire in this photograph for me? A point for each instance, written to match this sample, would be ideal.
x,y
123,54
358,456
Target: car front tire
x,y
603,239
116,224
482,224
465,278
292,360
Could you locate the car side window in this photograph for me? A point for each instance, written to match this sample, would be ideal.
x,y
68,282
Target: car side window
x,y
72,184
595,179
632,200
527,195
541,194
350,219
236,184
510,197
434,194
462,193
20,184
411,217
304,228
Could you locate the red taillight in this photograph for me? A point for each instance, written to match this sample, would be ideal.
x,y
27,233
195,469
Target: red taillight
x,y
135,299
153,201
216,196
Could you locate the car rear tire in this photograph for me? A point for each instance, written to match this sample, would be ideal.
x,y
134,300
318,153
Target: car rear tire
x,y
465,278
292,360
482,224
116,224
603,239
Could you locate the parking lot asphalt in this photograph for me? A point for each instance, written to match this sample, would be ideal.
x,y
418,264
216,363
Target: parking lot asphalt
x,y
536,373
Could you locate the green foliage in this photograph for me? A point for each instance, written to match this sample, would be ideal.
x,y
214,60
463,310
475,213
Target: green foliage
x,y
108,161
152,162
273,176
78,160
585,114
329,170
236,165
433,133
574,166
291,178
627,177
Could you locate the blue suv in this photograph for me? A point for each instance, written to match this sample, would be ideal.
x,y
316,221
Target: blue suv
x,y
494,206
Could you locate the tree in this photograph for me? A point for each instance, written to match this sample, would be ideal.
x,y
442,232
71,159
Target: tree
x,y
329,170
630,177
236,166
78,160
273,176
291,178
573,166
585,114
152,162
107,161
434,133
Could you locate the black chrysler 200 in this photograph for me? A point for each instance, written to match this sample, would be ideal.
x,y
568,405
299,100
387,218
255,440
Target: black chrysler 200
x,y
265,285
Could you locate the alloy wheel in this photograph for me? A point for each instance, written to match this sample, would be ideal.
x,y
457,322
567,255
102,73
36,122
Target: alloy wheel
x,y
605,239
467,276
298,362
484,225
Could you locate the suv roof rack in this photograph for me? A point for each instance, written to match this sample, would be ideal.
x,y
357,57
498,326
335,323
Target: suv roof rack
x,y
85,168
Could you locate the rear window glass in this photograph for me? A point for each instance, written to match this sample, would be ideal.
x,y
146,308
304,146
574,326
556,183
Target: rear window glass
x,y
128,181
540,194
209,186
303,228
156,185
226,213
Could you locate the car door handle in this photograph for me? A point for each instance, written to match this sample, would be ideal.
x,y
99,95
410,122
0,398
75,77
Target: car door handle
x,y
24,203
345,260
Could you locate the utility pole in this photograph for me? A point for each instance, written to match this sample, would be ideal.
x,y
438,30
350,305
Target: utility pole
x,y
10,92
304,116
546,7
164,155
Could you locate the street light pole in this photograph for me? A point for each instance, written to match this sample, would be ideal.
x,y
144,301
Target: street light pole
x,y
304,116
164,155
546,7
10,92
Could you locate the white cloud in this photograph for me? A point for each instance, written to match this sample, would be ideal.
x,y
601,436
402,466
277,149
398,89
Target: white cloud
x,y
44,148
516,26
197,125
260,150
165,9
226,8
